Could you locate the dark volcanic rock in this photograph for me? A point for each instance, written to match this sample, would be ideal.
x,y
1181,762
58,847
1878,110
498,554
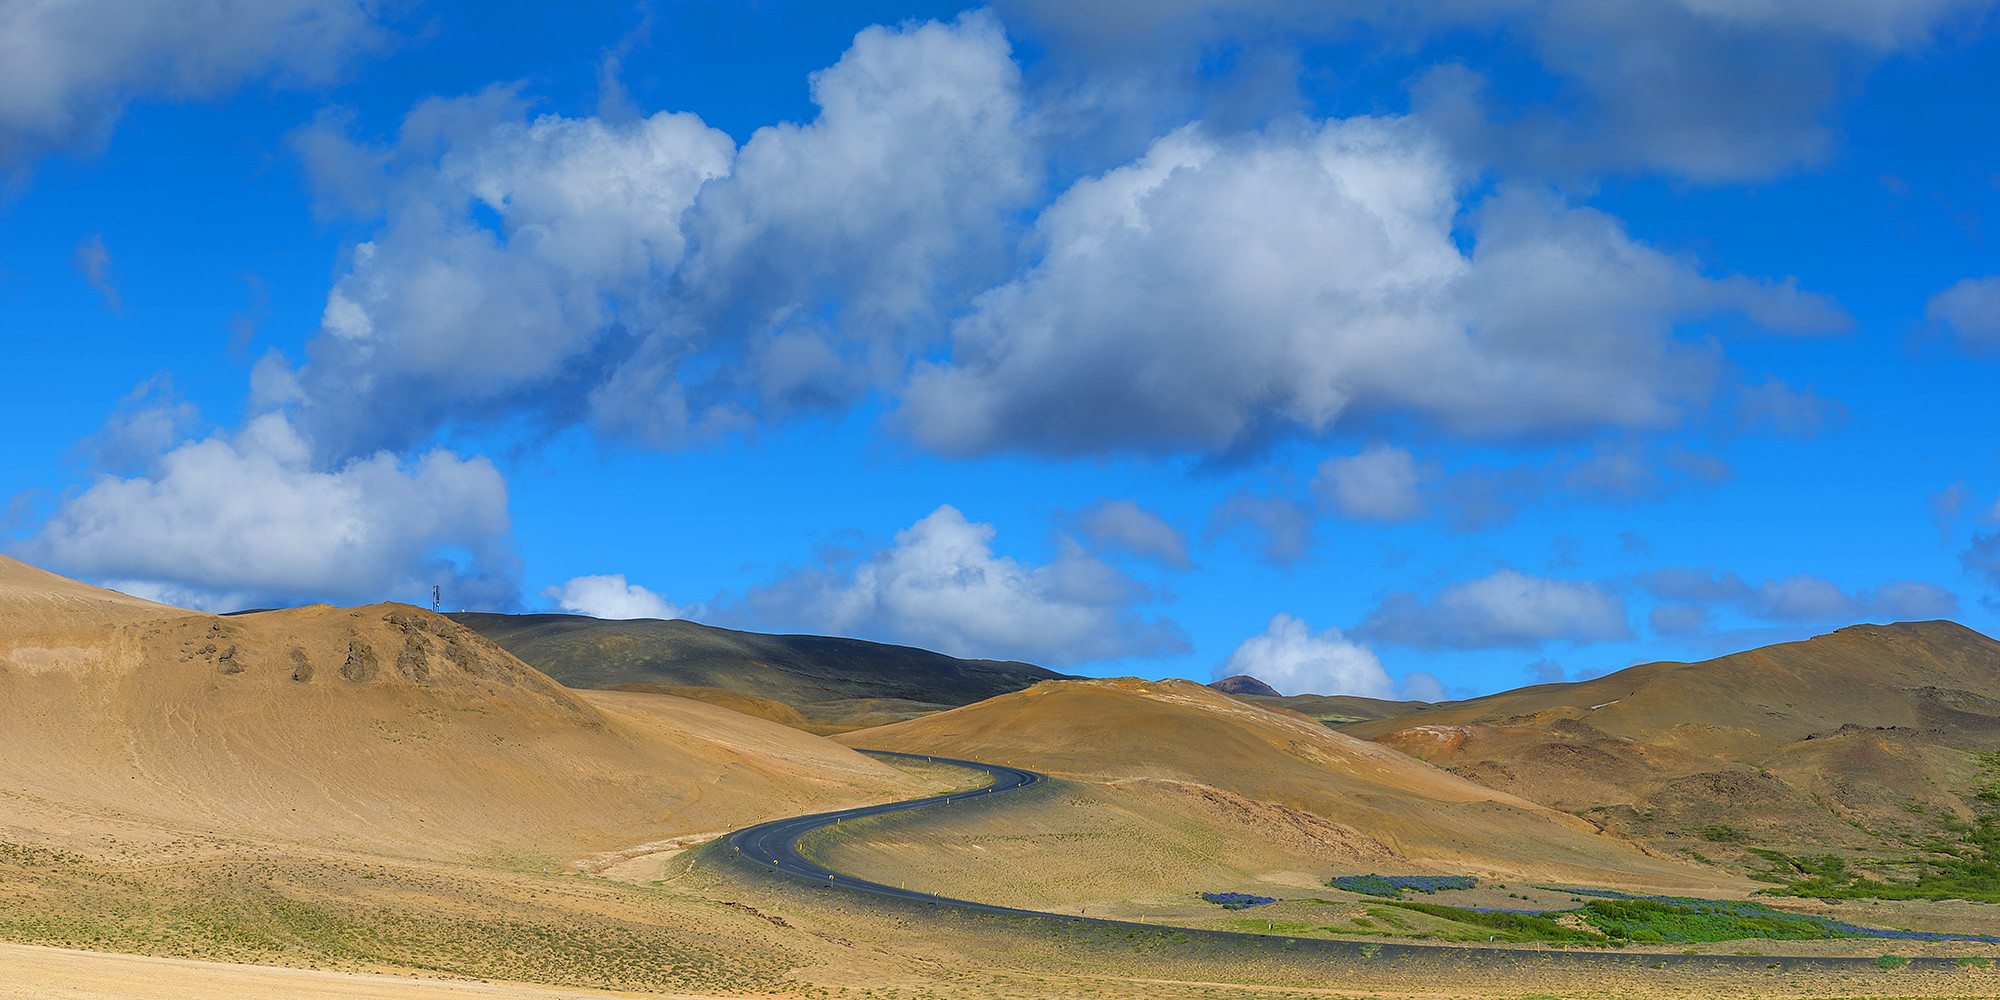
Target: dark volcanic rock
x,y
1246,684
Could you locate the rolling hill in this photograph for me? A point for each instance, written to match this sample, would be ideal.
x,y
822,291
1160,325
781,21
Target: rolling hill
x,y
1205,756
381,728
1863,739
835,684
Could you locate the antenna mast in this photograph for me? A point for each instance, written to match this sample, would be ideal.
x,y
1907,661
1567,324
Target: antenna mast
x,y
434,598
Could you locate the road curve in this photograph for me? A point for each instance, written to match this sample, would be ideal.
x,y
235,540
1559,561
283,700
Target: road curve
x,y
775,845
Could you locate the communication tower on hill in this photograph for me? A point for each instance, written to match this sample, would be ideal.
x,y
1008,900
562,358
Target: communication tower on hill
x,y
434,598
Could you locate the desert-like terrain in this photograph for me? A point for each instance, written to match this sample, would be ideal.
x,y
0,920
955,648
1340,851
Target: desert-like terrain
x,y
1857,741
819,684
378,801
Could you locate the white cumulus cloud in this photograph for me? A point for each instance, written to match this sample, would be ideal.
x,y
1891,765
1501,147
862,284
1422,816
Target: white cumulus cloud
x,y
230,521
1507,609
68,68
1288,656
1221,290
649,277
610,597
440,318
941,586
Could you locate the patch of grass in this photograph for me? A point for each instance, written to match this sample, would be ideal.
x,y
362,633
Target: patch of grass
x,y
1971,962
1720,833
1503,926
1890,963
1962,864
1701,920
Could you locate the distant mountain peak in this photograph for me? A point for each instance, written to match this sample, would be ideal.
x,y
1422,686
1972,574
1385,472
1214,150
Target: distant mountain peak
x,y
1246,684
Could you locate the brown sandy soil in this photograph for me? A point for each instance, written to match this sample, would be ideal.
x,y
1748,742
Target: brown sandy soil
x,y
379,728
323,796
34,973
1214,756
1335,709
748,704
1846,741
710,930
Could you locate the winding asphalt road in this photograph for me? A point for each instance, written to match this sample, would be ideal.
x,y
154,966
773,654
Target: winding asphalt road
x,y
775,845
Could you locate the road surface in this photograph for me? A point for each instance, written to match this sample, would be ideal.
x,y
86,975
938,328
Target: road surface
x,y
775,845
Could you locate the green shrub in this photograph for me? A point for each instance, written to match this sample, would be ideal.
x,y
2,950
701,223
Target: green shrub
x,y
1508,926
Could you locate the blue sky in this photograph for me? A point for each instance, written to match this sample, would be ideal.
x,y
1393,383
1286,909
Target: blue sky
x,y
1409,351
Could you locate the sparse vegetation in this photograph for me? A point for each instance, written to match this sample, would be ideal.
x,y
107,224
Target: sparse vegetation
x,y
1964,863
1703,920
1393,886
1505,926
1236,900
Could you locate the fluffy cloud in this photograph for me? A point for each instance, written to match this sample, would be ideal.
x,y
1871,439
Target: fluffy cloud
x,y
1289,657
67,69
1969,312
941,586
1222,290
440,318
649,277
227,522
610,597
1503,610
1800,597
1709,89
1123,524
1379,484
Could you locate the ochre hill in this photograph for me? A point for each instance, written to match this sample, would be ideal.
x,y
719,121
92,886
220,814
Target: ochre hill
x,y
1334,709
37,603
1836,741
836,684
379,728
1223,753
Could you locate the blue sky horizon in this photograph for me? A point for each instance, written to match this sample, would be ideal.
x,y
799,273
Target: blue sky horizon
x,y
1406,351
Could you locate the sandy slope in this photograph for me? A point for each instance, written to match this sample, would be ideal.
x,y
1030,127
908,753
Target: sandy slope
x,y
1806,744
36,604
33,973
384,727
1179,736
